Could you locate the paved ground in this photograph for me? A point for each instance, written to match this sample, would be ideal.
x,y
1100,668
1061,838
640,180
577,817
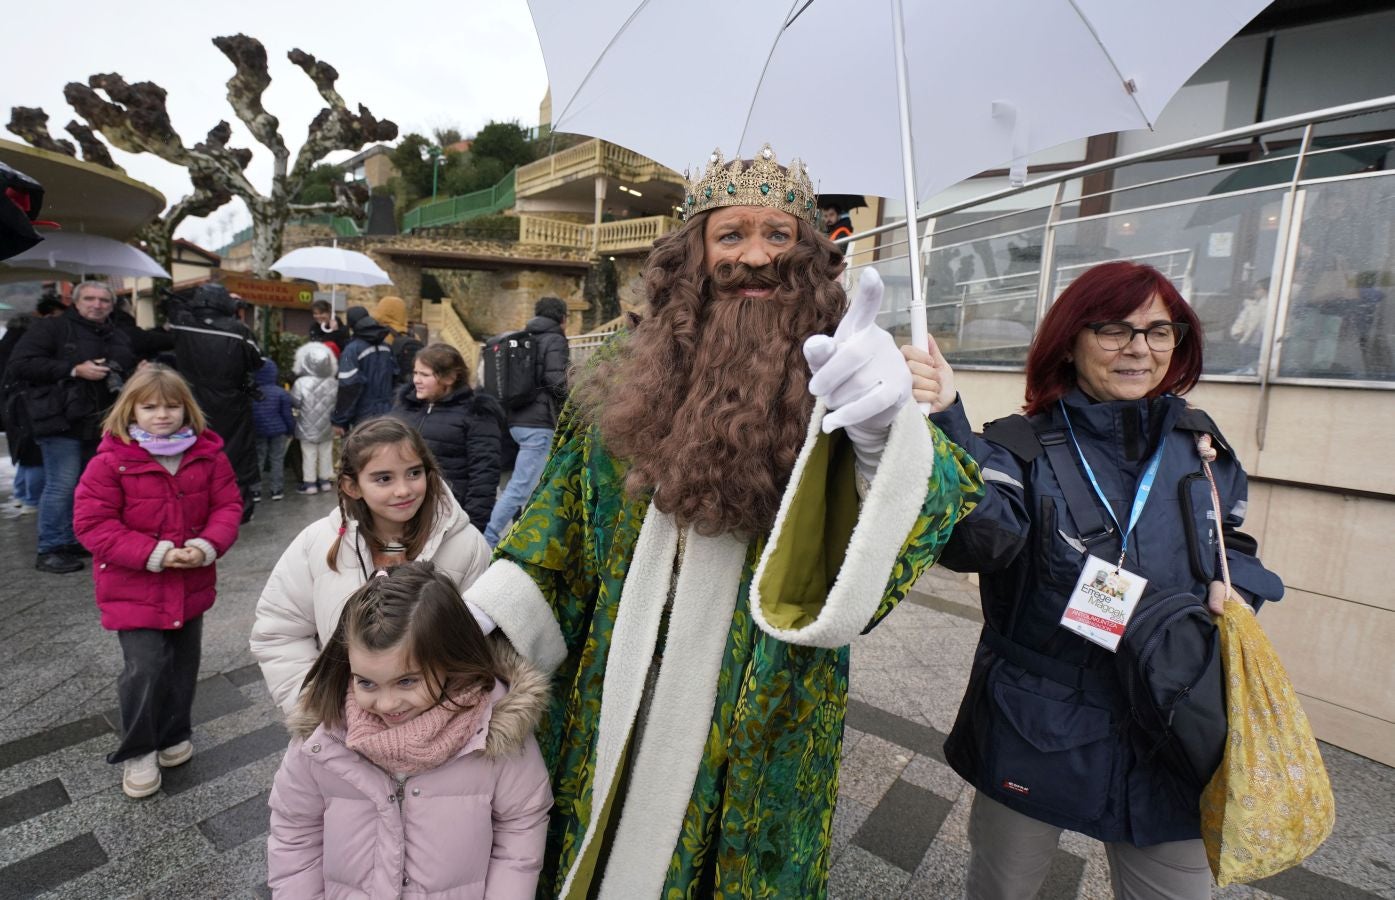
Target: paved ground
x,y
66,830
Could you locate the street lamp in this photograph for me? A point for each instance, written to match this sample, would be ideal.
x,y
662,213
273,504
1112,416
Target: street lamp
x,y
435,155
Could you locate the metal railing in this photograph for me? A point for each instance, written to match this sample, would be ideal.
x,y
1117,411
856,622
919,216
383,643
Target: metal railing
x,y
463,207
1287,255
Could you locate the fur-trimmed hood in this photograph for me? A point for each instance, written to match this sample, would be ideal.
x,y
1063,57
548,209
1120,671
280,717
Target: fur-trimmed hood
x,y
517,703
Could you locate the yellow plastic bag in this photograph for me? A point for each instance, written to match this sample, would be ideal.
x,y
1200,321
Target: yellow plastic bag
x,y
1269,805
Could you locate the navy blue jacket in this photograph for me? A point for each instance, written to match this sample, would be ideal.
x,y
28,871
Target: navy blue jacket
x,y
271,415
1059,753
463,431
366,374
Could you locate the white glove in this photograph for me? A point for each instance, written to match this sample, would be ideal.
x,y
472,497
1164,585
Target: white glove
x,y
482,618
860,375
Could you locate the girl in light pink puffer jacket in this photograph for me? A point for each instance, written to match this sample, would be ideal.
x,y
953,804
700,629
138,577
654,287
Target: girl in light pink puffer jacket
x,y
413,771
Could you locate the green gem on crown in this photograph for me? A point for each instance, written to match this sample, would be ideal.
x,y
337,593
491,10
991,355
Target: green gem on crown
x,y
764,189
692,201
789,197
707,194
731,187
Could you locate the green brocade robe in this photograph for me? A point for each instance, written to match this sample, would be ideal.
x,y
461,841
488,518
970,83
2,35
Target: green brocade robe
x,y
732,791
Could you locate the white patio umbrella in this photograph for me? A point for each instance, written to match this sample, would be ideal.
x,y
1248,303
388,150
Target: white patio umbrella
x,y
332,266
79,254
885,97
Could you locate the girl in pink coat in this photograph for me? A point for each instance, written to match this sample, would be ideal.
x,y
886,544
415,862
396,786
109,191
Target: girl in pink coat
x,y
156,506
413,771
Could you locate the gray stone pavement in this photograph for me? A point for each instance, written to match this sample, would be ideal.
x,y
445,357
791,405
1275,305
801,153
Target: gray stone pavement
x,y
67,831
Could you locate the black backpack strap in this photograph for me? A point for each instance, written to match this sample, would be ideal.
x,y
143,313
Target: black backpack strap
x,y
1080,500
1015,435
1079,677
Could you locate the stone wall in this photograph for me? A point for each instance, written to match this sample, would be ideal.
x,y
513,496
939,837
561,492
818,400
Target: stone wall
x,y
491,302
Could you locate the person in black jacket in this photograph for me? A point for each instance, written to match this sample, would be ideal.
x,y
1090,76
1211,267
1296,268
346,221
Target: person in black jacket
x,y
218,356
147,343
460,425
531,426
327,329
366,373
1099,484
71,367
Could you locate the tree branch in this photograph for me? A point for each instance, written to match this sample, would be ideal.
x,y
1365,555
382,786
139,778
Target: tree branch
x,y
30,123
245,89
93,150
334,128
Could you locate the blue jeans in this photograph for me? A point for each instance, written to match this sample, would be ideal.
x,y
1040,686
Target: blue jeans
x,y
63,460
533,444
29,484
273,449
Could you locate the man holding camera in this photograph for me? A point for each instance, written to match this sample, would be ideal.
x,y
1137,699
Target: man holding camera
x,y
71,367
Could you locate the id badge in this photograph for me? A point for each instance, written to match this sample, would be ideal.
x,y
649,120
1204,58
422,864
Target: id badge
x,y
1102,602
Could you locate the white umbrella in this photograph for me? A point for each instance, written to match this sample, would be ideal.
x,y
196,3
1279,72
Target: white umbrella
x,y
331,266
79,254
875,99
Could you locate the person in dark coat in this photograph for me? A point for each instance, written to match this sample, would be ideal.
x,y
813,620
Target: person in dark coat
x,y
460,425
274,423
366,372
531,426
147,343
71,367
218,356
1044,731
327,329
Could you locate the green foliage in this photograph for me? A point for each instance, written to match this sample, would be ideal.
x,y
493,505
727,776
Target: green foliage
x,y
319,184
281,349
496,150
506,142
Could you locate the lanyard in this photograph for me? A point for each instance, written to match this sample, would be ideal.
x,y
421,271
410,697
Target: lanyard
x,y
1140,497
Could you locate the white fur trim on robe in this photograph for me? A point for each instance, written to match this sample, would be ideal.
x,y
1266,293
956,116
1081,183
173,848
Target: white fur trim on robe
x,y
511,598
888,513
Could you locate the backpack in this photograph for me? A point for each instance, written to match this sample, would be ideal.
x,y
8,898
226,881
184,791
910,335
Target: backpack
x,y
404,353
511,368
1168,659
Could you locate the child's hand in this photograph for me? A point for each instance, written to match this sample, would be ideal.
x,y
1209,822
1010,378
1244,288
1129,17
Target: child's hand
x,y
194,556
174,559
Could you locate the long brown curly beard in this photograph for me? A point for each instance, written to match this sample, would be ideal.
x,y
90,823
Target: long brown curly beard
x,y
708,398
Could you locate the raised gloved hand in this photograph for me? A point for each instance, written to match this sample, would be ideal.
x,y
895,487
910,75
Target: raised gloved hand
x,y
860,375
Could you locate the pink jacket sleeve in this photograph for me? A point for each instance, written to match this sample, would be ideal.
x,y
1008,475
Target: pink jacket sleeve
x,y
295,841
225,507
97,507
522,800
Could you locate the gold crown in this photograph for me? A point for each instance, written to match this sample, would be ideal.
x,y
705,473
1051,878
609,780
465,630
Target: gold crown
x,y
762,183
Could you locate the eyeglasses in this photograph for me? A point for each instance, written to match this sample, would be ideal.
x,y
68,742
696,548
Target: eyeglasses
x,y
1161,336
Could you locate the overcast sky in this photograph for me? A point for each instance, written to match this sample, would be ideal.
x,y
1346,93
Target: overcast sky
x,y
423,64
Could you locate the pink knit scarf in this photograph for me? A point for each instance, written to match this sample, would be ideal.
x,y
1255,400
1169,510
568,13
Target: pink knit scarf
x,y
421,744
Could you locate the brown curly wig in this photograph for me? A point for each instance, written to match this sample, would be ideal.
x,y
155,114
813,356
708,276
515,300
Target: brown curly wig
x,y
708,398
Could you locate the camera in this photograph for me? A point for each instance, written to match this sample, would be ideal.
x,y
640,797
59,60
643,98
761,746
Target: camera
x,y
114,380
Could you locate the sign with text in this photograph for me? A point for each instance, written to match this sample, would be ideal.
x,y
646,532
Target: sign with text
x,y
264,292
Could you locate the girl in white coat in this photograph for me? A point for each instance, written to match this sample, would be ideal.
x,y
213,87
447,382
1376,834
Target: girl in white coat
x,y
393,508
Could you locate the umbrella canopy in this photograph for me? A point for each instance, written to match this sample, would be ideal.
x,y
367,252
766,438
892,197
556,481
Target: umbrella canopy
x,y
844,202
331,265
988,82
80,254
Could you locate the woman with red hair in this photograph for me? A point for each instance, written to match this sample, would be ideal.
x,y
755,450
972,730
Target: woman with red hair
x,y
1094,508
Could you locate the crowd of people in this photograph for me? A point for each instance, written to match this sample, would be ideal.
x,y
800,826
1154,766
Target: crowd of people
x,y
639,688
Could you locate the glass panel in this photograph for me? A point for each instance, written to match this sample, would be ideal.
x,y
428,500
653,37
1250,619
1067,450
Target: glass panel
x,y
981,296
1218,252
1341,318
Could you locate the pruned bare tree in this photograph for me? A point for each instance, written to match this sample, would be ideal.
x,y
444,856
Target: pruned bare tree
x,y
133,117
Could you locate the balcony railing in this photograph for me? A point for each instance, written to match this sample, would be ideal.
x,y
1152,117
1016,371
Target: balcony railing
x,y
610,237
588,160
463,207
1287,257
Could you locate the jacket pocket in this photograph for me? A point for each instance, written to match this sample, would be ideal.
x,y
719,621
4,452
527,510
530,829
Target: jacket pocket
x,y
1058,754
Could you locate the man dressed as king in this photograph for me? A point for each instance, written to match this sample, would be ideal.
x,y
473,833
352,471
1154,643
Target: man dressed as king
x,y
738,488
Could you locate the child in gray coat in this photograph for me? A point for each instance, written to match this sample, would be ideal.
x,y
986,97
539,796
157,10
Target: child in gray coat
x,y
313,395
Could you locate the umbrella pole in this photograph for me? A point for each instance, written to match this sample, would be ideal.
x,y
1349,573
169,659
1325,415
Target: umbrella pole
x,y
917,307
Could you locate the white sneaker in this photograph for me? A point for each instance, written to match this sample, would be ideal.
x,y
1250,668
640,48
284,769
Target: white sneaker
x,y
177,755
140,776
